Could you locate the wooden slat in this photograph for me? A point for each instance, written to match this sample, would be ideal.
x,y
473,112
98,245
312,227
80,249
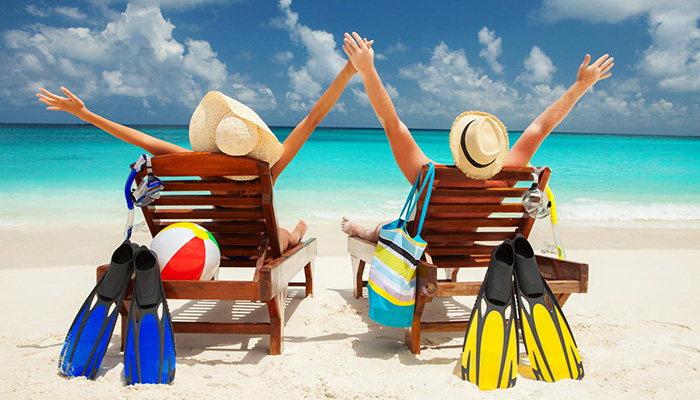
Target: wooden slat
x,y
461,262
509,174
435,250
477,192
239,251
207,200
444,326
212,290
228,226
199,185
238,239
237,263
471,222
204,164
221,327
476,208
208,213
446,289
431,236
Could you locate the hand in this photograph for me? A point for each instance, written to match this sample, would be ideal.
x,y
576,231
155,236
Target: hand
x,y
351,68
590,74
72,104
359,52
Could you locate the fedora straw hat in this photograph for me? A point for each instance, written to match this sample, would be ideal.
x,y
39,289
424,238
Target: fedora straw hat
x,y
223,125
479,144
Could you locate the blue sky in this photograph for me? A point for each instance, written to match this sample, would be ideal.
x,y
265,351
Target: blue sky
x,y
150,62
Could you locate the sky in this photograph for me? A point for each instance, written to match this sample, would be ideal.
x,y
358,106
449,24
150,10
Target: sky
x,y
151,61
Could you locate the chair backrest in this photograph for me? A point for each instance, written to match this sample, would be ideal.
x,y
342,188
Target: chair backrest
x,y
239,214
467,218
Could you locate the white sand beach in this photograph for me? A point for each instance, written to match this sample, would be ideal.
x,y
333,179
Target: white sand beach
x,y
638,329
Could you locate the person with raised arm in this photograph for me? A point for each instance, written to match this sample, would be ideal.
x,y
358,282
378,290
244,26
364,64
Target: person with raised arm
x,y
480,161
291,146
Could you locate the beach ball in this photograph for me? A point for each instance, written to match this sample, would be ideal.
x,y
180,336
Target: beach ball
x,y
186,251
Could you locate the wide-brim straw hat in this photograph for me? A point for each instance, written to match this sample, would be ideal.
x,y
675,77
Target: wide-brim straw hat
x,y
223,125
479,144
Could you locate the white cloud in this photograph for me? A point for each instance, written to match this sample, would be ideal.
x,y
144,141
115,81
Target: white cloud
x,y
245,55
673,58
35,11
304,87
135,55
323,60
398,47
283,57
70,12
449,85
361,97
538,67
596,10
491,50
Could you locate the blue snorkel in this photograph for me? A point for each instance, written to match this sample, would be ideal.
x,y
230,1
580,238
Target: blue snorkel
x,y
146,192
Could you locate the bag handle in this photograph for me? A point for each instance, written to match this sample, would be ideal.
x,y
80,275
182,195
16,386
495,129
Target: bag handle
x,y
414,197
409,200
429,177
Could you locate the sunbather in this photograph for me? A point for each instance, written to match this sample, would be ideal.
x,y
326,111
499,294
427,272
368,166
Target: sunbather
x,y
73,105
410,158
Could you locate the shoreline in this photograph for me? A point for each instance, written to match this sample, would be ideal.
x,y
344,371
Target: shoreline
x,y
52,246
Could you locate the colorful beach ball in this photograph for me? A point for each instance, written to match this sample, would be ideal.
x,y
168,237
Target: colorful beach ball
x,y
186,251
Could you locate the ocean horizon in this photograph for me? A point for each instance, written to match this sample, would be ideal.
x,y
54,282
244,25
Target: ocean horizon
x,y
58,173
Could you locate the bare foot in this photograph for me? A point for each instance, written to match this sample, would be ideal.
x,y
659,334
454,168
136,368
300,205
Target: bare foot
x,y
298,232
350,227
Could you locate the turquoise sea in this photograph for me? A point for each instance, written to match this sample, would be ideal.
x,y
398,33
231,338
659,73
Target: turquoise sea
x,y
64,174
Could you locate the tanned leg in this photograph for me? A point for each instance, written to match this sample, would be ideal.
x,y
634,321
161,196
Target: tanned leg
x,y
353,229
293,238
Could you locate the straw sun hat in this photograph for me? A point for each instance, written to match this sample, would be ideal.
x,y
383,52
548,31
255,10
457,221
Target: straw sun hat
x,y
223,125
479,144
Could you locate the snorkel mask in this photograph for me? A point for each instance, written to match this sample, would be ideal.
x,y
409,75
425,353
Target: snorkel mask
x,y
145,193
535,201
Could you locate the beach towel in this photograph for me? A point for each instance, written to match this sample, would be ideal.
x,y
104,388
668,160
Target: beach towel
x,y
392,275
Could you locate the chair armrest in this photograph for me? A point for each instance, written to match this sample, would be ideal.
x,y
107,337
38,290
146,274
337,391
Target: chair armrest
x,y
362,249
276,274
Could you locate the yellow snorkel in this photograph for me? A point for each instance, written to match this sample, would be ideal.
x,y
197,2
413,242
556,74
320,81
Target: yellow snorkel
x,y
555,223
534,204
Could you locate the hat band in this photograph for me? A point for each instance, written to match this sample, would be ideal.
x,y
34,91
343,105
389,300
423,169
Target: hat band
x,y
466,152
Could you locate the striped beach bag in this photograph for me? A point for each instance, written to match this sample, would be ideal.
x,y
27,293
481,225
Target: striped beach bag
x,y
392,275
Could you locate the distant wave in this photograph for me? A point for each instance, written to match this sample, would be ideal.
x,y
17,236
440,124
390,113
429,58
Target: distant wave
x,y
583,209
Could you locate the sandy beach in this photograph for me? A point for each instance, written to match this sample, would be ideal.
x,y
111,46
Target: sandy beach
x,y
637,328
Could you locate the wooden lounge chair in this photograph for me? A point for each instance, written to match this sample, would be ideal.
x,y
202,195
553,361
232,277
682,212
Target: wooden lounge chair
x,y
466,219
241,217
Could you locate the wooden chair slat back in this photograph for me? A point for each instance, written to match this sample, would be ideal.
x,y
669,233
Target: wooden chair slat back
x,y
466,218
239,214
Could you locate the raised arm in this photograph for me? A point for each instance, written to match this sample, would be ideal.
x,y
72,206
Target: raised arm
x,y
528,143
73,105
409,157
303,130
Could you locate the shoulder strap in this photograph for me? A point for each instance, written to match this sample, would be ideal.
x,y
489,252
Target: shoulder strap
x,y
428,181
410,200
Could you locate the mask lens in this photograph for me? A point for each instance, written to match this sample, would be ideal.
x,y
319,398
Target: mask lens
x,y
535,203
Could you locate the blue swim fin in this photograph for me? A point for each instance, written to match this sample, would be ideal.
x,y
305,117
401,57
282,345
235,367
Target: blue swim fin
x,y
92,328
149,356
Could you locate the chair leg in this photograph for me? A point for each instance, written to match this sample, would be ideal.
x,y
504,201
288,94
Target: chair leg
x,y
124,314
309,274
275,308
358,269
413,333
562,298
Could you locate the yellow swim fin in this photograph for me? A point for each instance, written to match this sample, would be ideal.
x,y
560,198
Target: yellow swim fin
x,y
490,353
550,344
